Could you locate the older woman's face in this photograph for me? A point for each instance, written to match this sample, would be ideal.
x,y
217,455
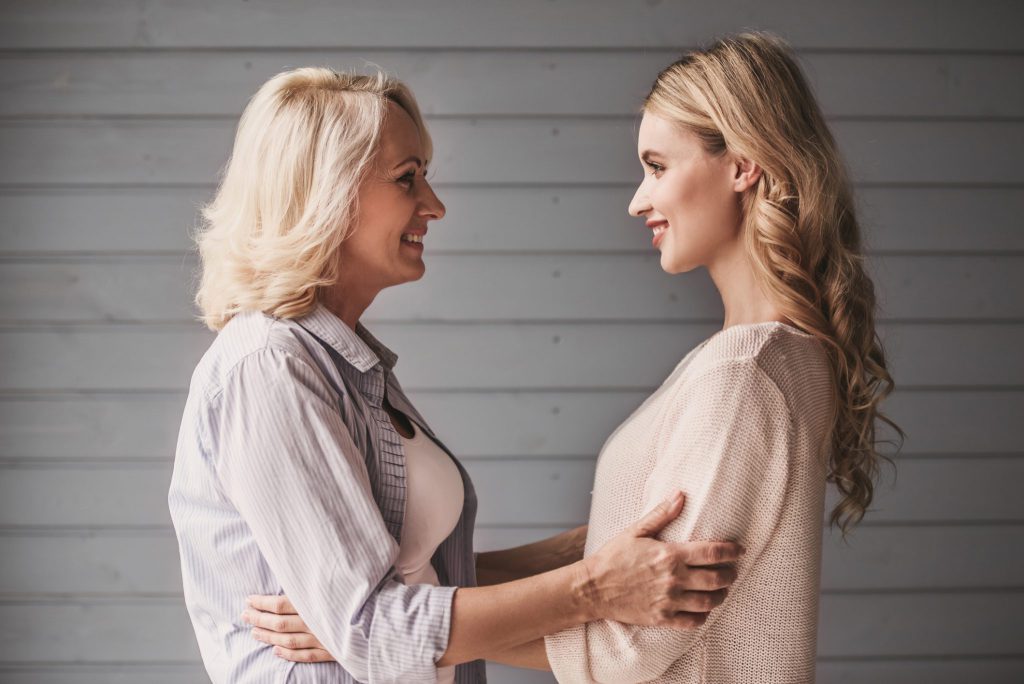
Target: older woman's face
x,y
395,204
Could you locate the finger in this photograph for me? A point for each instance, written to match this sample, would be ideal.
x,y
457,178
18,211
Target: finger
x,y
271,604
272,622
709,553
699,601
685,621
708,579
289,640
304,655
661,515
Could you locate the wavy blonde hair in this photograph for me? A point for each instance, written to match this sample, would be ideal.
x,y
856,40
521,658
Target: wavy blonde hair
x,y
747,96
288,198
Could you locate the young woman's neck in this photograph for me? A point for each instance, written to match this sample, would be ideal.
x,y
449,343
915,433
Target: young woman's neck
x,y
742,297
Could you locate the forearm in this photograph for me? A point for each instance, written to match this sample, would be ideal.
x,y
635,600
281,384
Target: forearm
x,y
487,621
531,654
531,559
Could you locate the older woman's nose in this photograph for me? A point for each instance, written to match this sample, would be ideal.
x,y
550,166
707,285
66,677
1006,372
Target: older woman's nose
x,y
430,206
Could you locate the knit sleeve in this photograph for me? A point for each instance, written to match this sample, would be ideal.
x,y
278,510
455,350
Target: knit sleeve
x,y
724,442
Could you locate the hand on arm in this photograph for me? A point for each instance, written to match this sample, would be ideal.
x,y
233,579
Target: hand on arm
x,y
725,443
633,578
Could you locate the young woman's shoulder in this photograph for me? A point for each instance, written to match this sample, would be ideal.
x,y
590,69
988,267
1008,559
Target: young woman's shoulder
x,y
790,357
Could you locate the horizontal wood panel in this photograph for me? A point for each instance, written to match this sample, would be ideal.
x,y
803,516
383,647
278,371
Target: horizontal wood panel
x,y
986,25
550,219
519,287
477,424
502,356
938,670
869,625
555,150
135,494
876,558
208,83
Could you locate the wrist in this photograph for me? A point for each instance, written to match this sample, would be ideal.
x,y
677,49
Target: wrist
x,y
585,596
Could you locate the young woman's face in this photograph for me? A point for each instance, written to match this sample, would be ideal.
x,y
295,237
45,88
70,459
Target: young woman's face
x,y
395,203
690,199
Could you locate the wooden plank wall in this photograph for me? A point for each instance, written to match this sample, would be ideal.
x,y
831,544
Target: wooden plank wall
x,y
117,116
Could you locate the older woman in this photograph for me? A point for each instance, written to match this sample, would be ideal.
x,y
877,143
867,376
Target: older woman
x,y
302,467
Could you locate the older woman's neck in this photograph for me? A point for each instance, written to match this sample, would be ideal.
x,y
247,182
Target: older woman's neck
x,y
348,303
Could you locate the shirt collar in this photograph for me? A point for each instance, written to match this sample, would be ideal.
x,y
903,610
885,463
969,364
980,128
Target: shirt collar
x,y
358,347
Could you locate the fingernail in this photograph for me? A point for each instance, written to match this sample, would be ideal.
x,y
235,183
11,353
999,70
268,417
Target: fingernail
x,y
245,617
277,651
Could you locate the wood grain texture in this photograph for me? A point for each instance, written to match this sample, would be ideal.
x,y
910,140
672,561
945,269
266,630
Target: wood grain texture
x,y
988,25
134,494
505,82
507,287
549,219
478,151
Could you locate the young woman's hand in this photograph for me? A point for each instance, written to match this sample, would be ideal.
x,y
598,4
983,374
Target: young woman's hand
x,y
639,580
275,621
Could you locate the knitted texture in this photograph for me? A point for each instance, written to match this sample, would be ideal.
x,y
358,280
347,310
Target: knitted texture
x,y
743,427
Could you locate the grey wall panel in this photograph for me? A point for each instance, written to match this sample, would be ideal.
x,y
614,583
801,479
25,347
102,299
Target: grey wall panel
x,y
554,218
117,426
113,129
986,25
145,562
141,630
936,670
496,356
470,150
519,287
529,83
111,673
134,494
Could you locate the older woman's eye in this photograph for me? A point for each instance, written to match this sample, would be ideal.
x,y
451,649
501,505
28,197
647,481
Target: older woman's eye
x,y
406,179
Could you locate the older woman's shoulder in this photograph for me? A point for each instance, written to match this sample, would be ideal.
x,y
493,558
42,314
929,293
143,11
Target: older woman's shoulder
x,y
253,339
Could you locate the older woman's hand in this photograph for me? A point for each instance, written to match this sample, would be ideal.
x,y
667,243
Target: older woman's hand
x,y
639,580
275,621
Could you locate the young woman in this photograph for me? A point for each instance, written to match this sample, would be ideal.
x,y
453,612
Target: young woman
x,y
742,177
303,468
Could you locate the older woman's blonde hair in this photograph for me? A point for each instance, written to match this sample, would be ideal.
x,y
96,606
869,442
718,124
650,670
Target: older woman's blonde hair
x,y
270,237
746,96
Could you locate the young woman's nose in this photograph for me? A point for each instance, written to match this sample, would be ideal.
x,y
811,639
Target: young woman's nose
x,y
639,205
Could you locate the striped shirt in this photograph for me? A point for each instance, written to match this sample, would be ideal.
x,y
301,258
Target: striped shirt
x,y
290,478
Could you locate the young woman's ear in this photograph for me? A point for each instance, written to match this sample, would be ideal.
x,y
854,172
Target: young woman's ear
x,y
745,174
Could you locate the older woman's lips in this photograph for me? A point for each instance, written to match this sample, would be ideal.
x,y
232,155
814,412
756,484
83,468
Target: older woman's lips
x,y
413,241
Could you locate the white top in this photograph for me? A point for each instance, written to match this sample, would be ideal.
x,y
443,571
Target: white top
x,y
434,498
743,428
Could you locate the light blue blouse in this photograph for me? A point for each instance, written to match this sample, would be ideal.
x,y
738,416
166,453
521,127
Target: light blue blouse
x,y
290,478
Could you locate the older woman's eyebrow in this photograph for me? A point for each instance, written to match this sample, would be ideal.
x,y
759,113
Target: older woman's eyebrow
x,y
419,162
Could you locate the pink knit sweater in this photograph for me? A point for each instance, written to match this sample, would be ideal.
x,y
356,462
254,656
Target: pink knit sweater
x,y
743,428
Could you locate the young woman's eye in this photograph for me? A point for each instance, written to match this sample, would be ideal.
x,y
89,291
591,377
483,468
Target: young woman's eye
x,y
654,167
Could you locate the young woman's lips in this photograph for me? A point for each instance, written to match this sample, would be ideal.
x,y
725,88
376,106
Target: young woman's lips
x,y
659,233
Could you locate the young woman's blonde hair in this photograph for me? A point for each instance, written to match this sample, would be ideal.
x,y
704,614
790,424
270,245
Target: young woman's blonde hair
x,y
746,96
270,237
